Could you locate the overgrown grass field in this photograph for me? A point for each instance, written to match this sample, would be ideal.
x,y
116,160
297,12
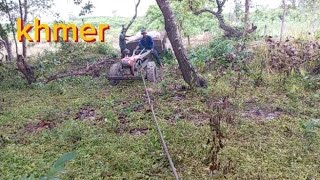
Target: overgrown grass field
x,y
272,132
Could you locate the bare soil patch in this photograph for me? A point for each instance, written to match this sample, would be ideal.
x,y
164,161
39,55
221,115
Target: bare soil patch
x,y
258,112
36,127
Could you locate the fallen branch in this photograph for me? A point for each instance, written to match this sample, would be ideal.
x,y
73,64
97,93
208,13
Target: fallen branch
x,y
88,70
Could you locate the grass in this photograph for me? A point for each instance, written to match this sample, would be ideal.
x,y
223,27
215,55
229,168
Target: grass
x,y
121,141
109,147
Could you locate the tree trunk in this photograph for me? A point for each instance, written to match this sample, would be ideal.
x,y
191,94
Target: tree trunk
x,y
23,15
24,44
188,72
229,31
25,69
265,30
247,15
2,44
283,20
294,4
12,27
22,65
237,9
8,47
6,42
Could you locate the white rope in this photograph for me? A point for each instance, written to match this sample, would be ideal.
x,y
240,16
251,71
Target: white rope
x,y
164,145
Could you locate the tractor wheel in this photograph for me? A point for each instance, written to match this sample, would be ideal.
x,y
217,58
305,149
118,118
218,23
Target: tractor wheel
x,y
115,70
152,72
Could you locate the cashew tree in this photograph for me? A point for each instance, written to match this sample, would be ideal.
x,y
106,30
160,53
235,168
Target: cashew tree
x,y
189,73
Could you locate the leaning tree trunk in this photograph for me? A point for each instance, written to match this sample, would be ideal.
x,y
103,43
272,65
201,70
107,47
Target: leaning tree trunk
x,y
229,31
188,72
25,69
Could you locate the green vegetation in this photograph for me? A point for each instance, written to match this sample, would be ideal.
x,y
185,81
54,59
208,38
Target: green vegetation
x,y
274,134
258,118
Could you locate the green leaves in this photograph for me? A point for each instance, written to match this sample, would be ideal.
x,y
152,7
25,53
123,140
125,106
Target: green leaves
x,y
189,23
77,2
107,49
86,8
56,168
217,50
59,165
25,177
310,127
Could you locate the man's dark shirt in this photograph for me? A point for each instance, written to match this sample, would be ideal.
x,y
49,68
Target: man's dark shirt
x,y
122,41
146,42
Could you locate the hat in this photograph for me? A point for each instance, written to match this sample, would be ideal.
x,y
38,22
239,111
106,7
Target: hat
x,y
143,31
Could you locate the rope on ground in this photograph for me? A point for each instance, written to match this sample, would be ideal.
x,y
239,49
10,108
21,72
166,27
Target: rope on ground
x,y
164,145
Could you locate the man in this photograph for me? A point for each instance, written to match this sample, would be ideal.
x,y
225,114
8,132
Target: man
x,y
122,42
148,43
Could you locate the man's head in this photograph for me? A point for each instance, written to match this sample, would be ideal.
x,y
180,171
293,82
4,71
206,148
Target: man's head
x,y
144,33
126,51
123,27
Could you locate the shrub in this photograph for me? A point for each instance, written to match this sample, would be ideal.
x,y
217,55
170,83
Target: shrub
x,y
107,49
221,52
168,57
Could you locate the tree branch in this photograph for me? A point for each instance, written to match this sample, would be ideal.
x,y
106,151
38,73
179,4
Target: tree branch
x,y
220,5
229,30
204,10
89,70
125,29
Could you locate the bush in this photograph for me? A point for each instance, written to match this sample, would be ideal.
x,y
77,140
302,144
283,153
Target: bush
x,y
107,49
168,57
217,52
217,49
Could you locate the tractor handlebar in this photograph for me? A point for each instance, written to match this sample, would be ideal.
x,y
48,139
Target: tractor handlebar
x,y
140,52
